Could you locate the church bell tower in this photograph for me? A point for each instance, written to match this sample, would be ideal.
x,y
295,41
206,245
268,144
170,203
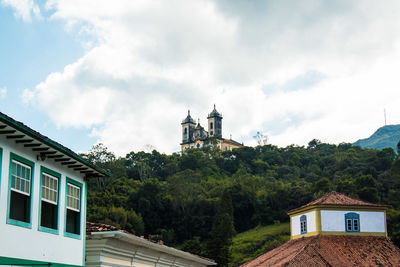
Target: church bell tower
x,y
188,125
215,123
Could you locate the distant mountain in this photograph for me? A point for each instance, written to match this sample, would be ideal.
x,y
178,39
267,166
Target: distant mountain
x,y
386,136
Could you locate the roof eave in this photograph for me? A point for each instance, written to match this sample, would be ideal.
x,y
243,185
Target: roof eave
x,y
337,206
48,142
146,243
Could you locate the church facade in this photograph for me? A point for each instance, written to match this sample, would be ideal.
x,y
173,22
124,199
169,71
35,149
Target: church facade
x,y
195,136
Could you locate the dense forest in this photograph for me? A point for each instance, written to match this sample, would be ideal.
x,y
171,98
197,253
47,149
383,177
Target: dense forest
x,y
176,198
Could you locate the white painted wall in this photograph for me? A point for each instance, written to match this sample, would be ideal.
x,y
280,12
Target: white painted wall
x,y
32,244
332,220
311,225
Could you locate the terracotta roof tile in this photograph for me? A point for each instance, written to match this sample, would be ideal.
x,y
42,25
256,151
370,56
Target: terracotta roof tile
x,y
335,198
101,227
325,250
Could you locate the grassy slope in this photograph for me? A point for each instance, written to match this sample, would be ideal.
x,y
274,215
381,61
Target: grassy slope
x,y
255,242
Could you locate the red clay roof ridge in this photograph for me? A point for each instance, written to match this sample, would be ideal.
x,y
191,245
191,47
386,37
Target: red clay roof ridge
x,y
335,198
331,250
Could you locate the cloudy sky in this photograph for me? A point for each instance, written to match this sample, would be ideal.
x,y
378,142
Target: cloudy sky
x,y
125,72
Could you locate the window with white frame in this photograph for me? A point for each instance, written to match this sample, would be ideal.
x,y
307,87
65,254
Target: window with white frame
x,y
21,178
49,189
49,201
303,224
73,206
73,197
20,191
352,222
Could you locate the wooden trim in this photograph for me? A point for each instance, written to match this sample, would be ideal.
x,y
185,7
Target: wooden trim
x,y
24,141
15,136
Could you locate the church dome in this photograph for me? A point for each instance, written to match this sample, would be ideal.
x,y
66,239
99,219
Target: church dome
x,y
214,113
188,119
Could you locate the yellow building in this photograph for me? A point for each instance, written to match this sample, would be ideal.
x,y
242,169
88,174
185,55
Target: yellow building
x,y
334,230
195,136
338,214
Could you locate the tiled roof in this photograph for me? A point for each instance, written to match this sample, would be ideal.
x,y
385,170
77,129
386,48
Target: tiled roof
x,y
329,250
101,227
232,142
335,198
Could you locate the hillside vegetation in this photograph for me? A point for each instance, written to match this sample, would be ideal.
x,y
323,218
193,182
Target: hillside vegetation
x,y
252,243
386,136
175,197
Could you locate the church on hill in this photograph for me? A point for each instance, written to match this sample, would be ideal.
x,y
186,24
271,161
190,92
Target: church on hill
x,y
335,230
195,136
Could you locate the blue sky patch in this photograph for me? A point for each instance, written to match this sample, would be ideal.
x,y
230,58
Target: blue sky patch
x,y
300,82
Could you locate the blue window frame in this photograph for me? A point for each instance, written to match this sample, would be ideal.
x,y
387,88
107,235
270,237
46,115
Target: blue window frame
x,y
73,209
352,222
303,224
49,200
20,187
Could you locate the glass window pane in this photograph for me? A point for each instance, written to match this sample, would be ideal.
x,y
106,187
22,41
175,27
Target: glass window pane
x,y
23,186
14,169
349,225
18,170
355,224
18,184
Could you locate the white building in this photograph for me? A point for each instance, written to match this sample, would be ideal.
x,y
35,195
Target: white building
x,y
107,246
338,214
42,198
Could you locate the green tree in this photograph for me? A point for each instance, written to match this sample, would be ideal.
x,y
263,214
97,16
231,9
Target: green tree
x,y
219,245
321,187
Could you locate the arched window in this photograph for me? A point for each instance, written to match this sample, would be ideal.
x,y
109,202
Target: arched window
x,y
185,132
303,224
352,222
211,125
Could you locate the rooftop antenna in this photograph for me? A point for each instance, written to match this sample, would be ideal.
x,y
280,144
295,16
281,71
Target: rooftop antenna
x,y
384,114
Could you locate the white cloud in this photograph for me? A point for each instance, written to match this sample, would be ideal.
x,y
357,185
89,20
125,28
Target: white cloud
x,y
3,93
24,9
152,60
27,96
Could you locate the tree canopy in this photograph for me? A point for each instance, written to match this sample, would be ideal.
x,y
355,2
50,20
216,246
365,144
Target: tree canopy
x,y
176,197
